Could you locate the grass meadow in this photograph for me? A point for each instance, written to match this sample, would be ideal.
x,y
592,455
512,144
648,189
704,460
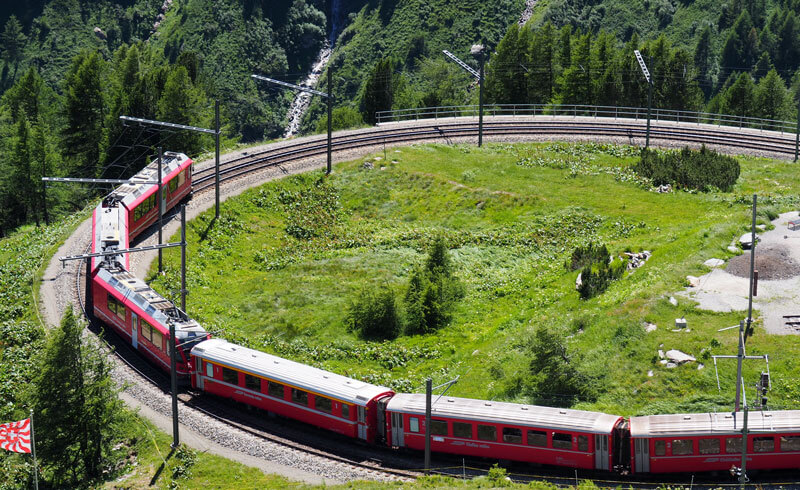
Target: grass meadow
x,y
280,268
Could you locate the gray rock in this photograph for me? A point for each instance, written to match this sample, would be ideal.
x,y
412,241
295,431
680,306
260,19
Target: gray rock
x,y
663,361
761,227
99,33
650,373
661,353
714,262
368,165
700,366
650,327
673,301
679,357
733,249
671,365
746,240
693,281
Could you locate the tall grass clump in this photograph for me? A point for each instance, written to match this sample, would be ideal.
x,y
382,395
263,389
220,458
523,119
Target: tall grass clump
x,y
373,315
702,170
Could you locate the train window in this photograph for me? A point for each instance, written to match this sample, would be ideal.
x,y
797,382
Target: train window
x,y
439,427
682,447
252,382
182,177
323,404
512,435
733,445
562,441
763,444
230,376
173,184
583,443
487,432
345,411
275,389
146,330
462,429
116,307
660,448
157,339
790,443
708,446
413,424
537,438
299,396
209,369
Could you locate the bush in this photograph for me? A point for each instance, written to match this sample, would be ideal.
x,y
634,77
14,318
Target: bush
x,y
585,255
702,170
373,315
433,292
343,118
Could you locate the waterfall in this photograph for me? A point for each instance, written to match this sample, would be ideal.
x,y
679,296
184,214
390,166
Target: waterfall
x,y
303,99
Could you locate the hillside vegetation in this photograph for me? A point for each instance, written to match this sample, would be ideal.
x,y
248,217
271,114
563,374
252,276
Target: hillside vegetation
x,y
284,266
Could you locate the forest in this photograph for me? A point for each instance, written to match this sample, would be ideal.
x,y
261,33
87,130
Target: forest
x,y
70,68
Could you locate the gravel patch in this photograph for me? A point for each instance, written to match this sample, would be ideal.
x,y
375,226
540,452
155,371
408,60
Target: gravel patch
x,y
771,261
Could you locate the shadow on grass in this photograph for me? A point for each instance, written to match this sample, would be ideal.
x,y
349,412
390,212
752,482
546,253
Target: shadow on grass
x,y
203,234
162,467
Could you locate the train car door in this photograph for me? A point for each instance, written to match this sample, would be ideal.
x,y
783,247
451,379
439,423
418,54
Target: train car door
x,y
134,330
600,452
362,423
642,454
200,373
397,429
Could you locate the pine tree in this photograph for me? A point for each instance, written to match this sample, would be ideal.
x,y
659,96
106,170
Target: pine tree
x,y
763,66
772,99
13,41
378,92
75,406
182,103
740,97
505,83
565,56
542,60
82,137
787,56
22,179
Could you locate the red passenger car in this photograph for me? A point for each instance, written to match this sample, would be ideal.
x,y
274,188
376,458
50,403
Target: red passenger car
x,y
321,398
142,318
713,441
499,430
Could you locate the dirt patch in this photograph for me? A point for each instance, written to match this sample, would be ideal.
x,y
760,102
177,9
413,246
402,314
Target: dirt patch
x,y
773,262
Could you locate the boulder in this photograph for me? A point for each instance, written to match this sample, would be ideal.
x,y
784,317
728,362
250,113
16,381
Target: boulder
x,y
673,301
693,281
733,249
671,365
679,357
714,263
100,34
650,327
746,240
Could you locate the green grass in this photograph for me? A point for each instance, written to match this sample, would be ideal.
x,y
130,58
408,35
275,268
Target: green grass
x,y
512,214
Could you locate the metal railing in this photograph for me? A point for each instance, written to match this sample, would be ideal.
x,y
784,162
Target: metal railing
x,y
637,113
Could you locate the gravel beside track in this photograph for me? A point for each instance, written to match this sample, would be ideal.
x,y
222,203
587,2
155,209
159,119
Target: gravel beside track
x,y
58,285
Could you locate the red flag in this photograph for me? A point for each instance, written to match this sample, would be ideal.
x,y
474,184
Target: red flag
x,y
16,436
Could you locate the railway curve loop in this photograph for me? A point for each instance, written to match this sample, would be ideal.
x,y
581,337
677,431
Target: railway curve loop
x,y
247,168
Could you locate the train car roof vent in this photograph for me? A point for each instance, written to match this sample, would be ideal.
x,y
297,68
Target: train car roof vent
x,y
276,362
325,376
687,417
450,400
523,408
488,404
361,397
562,412
728,416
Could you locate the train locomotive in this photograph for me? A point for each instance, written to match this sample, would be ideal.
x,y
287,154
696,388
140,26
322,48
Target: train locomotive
x,y
699,442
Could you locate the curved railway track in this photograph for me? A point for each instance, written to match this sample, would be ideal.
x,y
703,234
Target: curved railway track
x,y
330,446
726,138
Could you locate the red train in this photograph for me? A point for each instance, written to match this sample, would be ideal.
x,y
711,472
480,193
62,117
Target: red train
x,y
375,414
128,305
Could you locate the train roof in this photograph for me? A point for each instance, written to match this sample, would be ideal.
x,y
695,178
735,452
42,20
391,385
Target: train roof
x,y
130,192
159,309
506,413
288,372
695,424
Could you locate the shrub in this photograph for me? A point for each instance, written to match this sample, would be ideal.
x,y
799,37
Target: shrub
x,y
433,292
585,255
702,170
597,271
373,315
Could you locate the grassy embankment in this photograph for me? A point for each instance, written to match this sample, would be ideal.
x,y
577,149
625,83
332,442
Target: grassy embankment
x,y
512,216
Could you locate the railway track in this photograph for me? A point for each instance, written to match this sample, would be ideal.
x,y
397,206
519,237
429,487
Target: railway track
x,y
331,447
727,138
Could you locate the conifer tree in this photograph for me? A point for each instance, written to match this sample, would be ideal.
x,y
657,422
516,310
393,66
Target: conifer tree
x,y
13,41
772,99
378,92
542,59
75,406
702,60
84,111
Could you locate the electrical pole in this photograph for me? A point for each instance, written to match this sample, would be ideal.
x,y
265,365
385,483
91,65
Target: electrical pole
x,y
183,258
328,96
160,207
743,475
749,330
330,115
44,193
428,395
797,136
216,157
649,79
740,358
172,354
